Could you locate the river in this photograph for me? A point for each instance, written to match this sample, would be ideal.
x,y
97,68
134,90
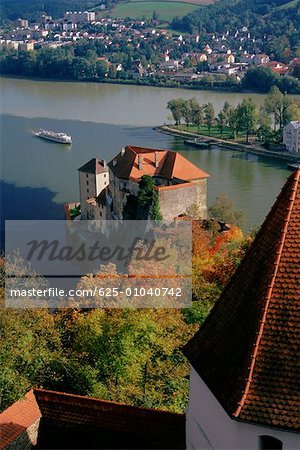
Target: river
x,y
39,176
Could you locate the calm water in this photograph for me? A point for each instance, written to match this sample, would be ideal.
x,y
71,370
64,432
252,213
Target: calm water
x,y
39,176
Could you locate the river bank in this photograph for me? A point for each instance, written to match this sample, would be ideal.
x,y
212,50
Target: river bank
x,y
144,82
168,84
255,149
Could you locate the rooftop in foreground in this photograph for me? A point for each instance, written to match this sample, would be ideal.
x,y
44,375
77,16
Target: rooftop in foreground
x,y
248,350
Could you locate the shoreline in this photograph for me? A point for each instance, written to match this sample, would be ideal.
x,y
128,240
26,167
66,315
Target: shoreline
x,y
216,89
230,145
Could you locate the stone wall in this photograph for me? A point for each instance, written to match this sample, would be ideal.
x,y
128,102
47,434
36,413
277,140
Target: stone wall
x,y
175,200
27,440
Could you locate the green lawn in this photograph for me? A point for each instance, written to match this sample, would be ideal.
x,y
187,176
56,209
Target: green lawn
x,y
139,9
214,132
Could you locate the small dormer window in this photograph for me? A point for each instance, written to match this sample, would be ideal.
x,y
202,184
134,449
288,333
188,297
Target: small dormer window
x,y
269,443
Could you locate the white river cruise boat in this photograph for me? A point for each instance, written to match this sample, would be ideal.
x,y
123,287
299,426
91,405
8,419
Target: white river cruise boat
x,y
61,138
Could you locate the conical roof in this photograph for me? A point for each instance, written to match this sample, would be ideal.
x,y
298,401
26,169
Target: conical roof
x,y
248,350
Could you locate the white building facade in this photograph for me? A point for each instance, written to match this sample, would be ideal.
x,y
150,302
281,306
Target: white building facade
x,y
93,181
291,137
209,427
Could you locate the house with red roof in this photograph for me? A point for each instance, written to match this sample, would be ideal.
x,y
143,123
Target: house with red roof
x,y
277,67
105,188
245,359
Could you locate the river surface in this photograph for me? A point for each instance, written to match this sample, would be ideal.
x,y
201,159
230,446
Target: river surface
x,y
39,176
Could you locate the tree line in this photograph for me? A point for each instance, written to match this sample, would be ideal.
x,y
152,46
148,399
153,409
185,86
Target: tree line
x,y
245,119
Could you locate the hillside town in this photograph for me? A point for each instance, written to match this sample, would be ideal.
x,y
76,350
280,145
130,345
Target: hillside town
x,y
144,51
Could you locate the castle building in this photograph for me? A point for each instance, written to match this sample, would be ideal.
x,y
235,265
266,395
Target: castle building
x,y
104,189
245,375
179,183
93,183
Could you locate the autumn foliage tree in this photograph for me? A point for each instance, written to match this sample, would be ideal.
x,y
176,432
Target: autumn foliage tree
x,y
130,355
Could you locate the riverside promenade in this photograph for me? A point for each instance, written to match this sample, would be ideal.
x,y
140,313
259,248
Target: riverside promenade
x,y
254,148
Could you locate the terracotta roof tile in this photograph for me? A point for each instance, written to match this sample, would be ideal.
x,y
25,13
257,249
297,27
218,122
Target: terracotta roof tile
x,y
17,418
169,165
248,350
142,424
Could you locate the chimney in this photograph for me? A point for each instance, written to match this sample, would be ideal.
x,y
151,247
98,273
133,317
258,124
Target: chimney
x,y
104,163
156,159
123,151
140,162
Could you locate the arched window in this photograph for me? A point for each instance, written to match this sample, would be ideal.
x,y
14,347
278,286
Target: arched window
x,y
269,443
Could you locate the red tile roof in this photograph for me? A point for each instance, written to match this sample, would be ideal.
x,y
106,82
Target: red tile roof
x,y
144,426
169,165
17,418
248,350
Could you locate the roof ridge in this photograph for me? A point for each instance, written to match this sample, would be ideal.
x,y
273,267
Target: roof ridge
x,y
130,147
269,292
174,163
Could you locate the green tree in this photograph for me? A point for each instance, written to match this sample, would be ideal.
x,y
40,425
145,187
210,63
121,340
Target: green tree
x,y
282,107
147,200
233,121
264,126
101,69
296,71
209,115
221,121
112,71
30,353
197,115
132,356
224,209
247,117
154,212
226,111
259,78
176,107
187,112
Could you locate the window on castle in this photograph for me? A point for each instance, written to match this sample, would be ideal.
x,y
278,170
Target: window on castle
x,y
87,175
105,175
87,183
269,443
87,190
